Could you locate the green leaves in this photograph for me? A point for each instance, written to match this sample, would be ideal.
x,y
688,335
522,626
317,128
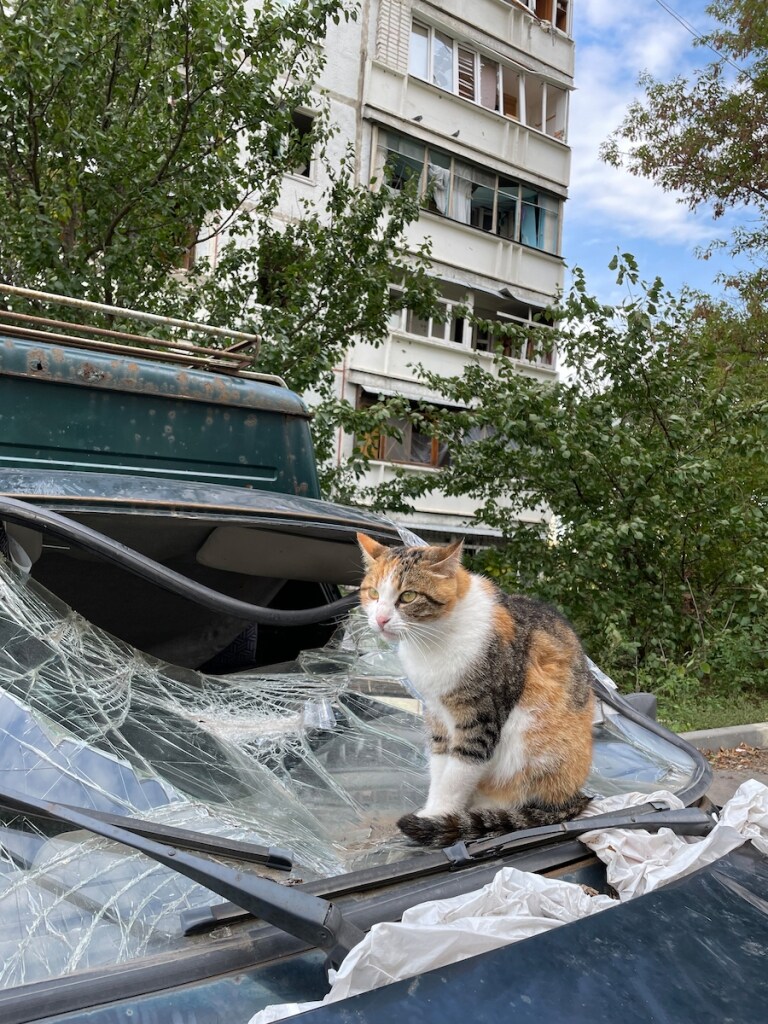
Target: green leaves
x,y
120,131
132,129
649,455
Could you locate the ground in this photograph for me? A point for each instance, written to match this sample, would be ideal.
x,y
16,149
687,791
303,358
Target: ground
x,y
734,766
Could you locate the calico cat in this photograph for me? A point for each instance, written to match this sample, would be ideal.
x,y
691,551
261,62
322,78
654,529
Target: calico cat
x,y
506,688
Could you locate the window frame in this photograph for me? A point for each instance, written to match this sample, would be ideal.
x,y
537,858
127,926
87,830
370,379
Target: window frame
x,y
540,219
376,445
451,326
556,12
528,353
541,86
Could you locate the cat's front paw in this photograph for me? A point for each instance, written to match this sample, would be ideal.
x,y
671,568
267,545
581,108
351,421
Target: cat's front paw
x,y
412,825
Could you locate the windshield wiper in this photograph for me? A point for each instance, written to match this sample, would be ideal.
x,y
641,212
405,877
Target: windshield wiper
x,y
187,839
313,920
651,816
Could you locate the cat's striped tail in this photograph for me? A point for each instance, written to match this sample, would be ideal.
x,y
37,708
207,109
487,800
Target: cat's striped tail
x,y
445,829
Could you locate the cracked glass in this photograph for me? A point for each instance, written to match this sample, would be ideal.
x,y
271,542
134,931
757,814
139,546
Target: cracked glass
x,y
320,757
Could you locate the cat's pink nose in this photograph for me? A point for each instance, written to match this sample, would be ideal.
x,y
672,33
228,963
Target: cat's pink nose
x,y
382,618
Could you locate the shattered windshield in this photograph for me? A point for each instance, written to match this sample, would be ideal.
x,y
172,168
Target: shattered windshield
x,y
321,757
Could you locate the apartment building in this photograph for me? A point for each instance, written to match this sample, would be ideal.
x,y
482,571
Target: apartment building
x,y
472,99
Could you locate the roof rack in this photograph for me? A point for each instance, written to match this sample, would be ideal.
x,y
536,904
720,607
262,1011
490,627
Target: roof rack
x,y
229,359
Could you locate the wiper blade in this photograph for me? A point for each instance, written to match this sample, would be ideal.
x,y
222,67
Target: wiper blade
x,y
651,816
313,920
187,839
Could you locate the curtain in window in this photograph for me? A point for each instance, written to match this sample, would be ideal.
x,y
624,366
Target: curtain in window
x,y
461,196
531,226
440,182
538,221
473,190
421,447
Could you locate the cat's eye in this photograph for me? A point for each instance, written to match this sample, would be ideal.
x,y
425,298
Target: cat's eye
x,y
408,596
373,593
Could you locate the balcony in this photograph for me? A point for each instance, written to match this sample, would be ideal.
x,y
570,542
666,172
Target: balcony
x,y
510,23
538,274
417,107
391,364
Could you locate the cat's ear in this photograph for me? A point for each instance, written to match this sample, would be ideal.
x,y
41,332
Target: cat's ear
x,y
370,548
447,559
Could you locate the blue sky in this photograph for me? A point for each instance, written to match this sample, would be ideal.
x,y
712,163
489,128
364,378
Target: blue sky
x,y
609,208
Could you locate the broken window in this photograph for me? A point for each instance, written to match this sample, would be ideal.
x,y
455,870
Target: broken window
x,y
404,160
303,143
455,67
448,327
473,195
467,60
408,441
442,61
489,83
321,757
511,93
534,345
534,103
556,112
553,11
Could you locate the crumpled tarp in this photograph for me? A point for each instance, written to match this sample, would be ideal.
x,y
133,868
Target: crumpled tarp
x,y
639,862
518,904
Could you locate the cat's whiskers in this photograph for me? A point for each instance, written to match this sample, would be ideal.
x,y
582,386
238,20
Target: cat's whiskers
x,y
424,636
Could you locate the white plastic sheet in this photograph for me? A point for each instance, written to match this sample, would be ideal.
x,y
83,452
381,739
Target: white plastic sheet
x,y
517,904
639,862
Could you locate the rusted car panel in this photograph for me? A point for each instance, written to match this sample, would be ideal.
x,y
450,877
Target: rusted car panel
x,y
74,409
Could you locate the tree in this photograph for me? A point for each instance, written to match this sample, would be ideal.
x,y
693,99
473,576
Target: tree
x,y
649,455
132,129
120,129
706,138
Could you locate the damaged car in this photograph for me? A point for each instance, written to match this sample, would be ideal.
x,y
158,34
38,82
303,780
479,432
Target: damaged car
x,y
205,751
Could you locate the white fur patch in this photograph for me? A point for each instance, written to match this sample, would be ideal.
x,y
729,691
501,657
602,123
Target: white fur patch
x,y
437,655
512,754
386,603
452,787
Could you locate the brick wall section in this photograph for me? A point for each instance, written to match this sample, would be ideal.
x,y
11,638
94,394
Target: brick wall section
x,y
393,34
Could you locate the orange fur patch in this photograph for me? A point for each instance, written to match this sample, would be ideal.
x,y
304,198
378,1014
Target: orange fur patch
x,y
557,727
504,624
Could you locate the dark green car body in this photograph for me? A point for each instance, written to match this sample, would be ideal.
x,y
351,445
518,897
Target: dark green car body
x,y
83,410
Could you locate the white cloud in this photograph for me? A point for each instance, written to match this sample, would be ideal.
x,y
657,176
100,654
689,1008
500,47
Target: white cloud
x,y
615,42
